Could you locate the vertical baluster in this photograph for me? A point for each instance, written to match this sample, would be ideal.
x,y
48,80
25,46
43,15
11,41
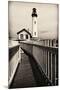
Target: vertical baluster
x,y
45,61
48,60
50,44
50,65
45,42
44,52
54,76
53,69
54,43
46,57
57,69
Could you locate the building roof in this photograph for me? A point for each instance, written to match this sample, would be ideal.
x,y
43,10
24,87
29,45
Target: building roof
x,y
25,31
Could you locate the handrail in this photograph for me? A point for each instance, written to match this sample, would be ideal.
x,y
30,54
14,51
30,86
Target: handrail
x,y
10,47
35,43
39,68
14,59
13,44
45,56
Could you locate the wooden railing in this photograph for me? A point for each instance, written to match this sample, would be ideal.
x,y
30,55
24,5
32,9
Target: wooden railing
x,y
45,56
50,42
14,59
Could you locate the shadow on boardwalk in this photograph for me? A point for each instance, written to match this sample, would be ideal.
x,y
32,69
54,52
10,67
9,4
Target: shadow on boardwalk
x,y
28,74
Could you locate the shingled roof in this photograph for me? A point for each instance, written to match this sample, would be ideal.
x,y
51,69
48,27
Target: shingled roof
x,y
25,31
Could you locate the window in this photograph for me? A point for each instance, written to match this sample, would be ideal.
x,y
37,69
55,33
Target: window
x,y
26,36
34,22
34,33
21,36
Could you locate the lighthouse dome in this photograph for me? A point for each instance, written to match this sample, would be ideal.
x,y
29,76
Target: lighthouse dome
x,y
34,14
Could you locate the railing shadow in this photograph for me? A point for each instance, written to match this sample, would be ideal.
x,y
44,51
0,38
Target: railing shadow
x,y
40,78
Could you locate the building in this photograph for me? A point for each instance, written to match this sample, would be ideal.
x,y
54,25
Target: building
x,y
34,23
24,35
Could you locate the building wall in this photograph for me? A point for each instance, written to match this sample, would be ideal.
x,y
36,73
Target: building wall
x,y
34,27
24,35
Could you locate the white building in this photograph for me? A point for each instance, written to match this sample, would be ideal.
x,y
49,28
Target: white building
x,y
34,24
24,35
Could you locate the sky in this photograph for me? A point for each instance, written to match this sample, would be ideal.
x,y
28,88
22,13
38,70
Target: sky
x,y
19,17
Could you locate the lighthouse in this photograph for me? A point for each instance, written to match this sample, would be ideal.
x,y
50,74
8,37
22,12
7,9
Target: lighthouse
x,y
34,23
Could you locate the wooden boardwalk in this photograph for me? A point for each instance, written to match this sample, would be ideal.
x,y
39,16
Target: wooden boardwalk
x,y
28,74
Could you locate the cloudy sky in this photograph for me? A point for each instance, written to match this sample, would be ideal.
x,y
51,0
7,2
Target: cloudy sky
x,y
19,17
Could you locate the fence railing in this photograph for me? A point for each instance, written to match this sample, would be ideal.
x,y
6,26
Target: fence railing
x,y
50,42
46,57
14,59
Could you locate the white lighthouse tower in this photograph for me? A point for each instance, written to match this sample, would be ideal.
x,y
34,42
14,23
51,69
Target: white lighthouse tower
x,y
34,24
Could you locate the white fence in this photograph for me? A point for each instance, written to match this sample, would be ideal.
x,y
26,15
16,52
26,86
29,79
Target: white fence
x,y
46,57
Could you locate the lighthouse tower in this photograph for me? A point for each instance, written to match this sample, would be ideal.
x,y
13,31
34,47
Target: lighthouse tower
x,y
34,24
